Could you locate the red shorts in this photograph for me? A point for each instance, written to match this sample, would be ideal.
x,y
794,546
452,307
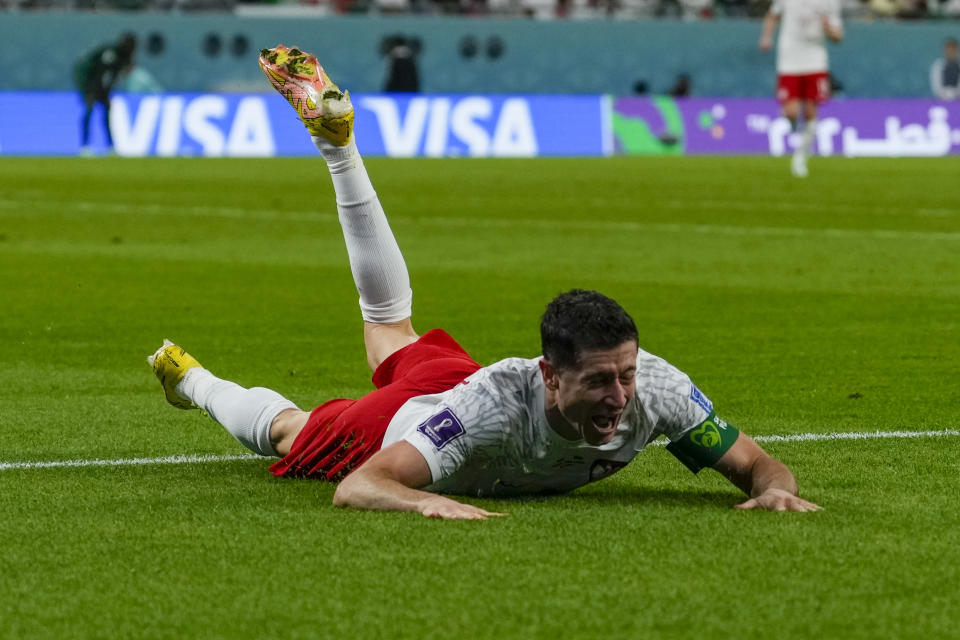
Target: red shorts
x,y
813,87
341,434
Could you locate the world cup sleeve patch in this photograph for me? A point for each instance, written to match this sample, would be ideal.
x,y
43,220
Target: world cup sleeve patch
x,y
442,428
705,444
697,396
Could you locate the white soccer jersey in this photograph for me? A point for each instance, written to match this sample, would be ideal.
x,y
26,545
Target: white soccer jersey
x,y
489,435
801,46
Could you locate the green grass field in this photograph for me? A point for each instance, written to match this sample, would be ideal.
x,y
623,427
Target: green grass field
x,y
816,306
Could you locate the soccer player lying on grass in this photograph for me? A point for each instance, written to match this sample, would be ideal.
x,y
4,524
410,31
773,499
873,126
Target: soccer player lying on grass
x,y
439,423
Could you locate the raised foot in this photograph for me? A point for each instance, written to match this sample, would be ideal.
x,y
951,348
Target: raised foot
x,y
320,104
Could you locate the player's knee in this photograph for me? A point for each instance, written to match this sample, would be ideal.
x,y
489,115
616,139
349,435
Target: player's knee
x,y
285,428
384,339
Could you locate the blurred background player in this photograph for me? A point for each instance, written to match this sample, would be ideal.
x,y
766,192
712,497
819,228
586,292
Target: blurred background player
x,y
95,74
945,73
803,78
401,53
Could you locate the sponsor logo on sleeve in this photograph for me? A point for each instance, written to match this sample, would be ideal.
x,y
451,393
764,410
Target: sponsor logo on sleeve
x,y
442,428
697,396
706,435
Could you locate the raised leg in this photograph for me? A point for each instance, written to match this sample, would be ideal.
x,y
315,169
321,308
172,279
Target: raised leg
x,y
378,268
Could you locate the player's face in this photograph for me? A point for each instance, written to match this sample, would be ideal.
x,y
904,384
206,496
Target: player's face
x,y
593,397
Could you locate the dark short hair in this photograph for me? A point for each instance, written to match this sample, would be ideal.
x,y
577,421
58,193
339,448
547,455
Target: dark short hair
x,y
579,320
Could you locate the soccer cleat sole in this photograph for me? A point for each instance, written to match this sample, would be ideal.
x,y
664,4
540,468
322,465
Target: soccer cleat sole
x,y
323,108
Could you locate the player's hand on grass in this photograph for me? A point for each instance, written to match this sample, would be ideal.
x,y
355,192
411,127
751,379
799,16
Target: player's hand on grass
x,y
779,500
442,507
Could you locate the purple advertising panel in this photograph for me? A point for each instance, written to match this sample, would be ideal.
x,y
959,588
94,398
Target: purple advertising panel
x,y
853,128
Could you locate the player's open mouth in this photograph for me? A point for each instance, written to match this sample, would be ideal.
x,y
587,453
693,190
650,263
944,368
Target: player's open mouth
x,y
605,424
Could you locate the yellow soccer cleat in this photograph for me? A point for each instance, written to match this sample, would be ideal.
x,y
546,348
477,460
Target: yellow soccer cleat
x,y
170,363
321,106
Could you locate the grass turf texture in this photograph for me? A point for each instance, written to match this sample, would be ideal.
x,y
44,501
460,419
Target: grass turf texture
x,y
822,305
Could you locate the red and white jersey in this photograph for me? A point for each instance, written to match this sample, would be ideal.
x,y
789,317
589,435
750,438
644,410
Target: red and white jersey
x,y
801,46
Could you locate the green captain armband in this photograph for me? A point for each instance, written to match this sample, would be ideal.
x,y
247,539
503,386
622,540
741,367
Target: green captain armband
x,y
706,443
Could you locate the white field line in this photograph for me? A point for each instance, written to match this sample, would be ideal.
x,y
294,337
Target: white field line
x,y
128,462
598,226
194,459
142,208
855,435
166,208
816,207
624,226
841,435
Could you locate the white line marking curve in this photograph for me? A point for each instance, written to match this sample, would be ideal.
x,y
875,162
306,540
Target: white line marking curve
x,y
195,459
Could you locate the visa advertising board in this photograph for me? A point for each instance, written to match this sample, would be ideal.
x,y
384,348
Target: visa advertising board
x,y
189,124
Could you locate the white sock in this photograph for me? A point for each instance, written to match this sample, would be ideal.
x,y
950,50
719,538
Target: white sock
x,y
375,260
809,132
246,413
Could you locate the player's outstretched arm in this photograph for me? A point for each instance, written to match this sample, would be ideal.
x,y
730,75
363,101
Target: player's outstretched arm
x,y
390,481
767,481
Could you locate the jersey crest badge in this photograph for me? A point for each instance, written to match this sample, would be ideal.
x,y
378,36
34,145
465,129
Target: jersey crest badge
x,y
442,428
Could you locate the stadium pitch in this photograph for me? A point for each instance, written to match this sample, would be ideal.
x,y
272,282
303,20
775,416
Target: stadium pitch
x,y
819,315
